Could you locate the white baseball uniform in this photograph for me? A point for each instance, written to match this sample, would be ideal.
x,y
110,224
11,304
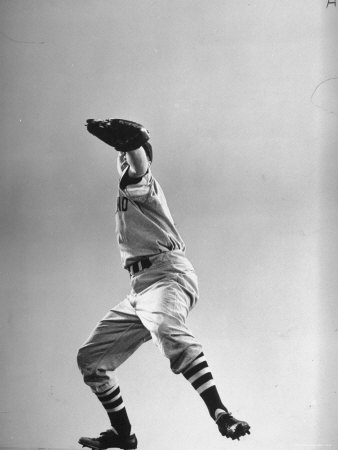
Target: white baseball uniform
x,y
163,287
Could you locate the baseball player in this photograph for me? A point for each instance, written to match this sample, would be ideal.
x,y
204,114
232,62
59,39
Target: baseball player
x,y
163,291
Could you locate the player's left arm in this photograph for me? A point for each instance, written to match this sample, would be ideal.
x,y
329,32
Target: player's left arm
x,y
138,162
130,139
133,167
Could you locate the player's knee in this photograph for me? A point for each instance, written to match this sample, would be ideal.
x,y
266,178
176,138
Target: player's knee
x,y
171,338
165,330
172,329
82,359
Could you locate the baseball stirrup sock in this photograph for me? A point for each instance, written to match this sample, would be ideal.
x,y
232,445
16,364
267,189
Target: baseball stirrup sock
x,y
112,402
200,377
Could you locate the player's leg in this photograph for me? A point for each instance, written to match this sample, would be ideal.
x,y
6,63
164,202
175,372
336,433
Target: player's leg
x,y
114,339
163,310
200,377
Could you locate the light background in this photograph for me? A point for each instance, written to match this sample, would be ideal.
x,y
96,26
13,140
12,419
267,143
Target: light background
x,y
243,124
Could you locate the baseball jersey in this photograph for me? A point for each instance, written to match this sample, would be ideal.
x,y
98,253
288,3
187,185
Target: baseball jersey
x,y
144,225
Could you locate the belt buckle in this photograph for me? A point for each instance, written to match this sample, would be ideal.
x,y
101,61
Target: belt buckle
x,y
138,266
131,270
135,268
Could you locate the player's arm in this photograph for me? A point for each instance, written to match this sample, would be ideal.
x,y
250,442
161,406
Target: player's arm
x,y
130,139
138,162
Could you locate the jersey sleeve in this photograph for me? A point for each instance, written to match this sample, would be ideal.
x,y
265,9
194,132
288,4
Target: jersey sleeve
x,y
137,188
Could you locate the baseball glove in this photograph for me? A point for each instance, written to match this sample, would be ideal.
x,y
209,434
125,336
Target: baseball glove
x,y
121,134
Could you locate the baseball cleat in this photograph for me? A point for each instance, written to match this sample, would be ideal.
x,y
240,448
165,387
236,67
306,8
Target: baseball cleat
x,y
109,439
231,427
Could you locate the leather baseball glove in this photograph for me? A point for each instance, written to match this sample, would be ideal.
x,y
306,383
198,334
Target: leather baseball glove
x,y
123,135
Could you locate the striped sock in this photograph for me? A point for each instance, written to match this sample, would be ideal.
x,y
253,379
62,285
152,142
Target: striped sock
x,y
112,402
199,375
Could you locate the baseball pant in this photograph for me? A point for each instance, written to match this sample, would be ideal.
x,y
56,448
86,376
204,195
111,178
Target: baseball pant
x,y
156,308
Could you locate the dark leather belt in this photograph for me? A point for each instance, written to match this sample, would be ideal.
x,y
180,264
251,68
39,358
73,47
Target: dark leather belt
x,y
143,263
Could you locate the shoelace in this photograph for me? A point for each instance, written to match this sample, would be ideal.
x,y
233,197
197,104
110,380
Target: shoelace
x,y
108,433
224,414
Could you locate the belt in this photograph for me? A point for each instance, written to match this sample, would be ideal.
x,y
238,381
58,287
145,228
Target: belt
x,y
143,263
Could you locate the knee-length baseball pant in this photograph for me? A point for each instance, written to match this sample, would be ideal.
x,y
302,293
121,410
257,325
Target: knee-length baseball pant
x,y
156,308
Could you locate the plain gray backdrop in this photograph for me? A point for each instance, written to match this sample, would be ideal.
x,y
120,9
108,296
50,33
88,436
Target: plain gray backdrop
x,y
240,98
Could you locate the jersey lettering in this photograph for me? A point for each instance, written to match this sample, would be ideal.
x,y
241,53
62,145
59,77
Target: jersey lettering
x,y
122,203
